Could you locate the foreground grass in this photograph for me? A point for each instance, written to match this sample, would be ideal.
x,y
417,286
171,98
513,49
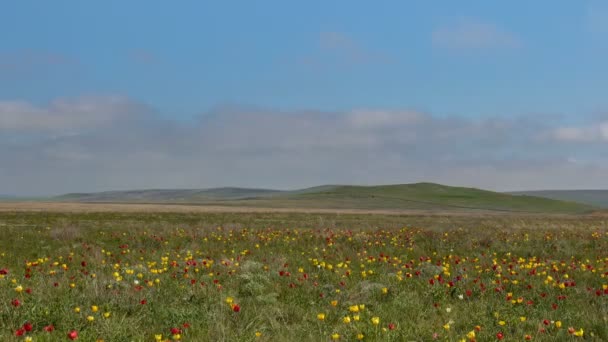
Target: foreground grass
x,y
301,277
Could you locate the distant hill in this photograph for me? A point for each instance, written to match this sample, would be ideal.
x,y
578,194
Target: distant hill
x,y
169,195
425,196
598,198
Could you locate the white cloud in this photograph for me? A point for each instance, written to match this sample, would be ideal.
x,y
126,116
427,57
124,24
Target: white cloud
x,y
597,132
116,143
64,115
473,35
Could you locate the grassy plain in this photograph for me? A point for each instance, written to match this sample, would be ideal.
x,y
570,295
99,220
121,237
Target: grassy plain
x,y
284,276
417,196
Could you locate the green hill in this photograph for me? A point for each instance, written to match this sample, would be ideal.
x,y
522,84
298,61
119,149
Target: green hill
x,y
422,196
168,195
598,198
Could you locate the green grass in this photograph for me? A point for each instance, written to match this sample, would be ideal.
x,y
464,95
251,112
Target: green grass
x,y
435,197
422,196
598,198
334,261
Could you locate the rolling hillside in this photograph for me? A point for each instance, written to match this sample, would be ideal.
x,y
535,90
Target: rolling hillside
x,y
598,198
424,196
169,195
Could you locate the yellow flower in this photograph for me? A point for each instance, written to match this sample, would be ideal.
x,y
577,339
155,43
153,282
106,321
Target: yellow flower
x,y
384,290
28,339
558,324
18,289
90,318
258,334
94,308
471,334
356,318
334,302
502,323
229,300
360,336
353,308
177,337
77,309
579,333
522,318
106,315
446,326
335,336
375,320
346,319
158,337
321,316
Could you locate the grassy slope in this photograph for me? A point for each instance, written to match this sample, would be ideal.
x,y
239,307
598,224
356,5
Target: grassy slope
x,y
168,195
427,196
597,198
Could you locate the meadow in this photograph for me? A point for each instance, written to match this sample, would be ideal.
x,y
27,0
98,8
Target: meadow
x,y
302,277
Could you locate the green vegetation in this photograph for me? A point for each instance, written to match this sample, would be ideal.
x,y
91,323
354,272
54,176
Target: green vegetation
x,y
597,198
423,196
302,277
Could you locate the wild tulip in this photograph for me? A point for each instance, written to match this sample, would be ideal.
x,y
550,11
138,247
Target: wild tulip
x,y
73,335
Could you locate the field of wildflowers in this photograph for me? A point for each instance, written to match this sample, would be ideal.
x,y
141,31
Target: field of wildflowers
x,y
301,277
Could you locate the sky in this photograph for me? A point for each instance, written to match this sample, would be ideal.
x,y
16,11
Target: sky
x,y
115,95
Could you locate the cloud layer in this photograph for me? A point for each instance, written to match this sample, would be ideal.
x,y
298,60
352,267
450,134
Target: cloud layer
x,y
102,143
474,35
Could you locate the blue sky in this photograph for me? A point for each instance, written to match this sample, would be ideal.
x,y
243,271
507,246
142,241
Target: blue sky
x,y
79,69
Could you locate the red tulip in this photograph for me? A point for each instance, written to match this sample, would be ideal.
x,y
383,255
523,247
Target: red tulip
x,y
72,335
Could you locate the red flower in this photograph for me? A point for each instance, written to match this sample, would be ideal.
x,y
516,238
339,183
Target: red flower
x,y
20,332
16,302
391,326
143,302
500,335
49,328
236,308
3,271
27,326
546,322
175,331
72,335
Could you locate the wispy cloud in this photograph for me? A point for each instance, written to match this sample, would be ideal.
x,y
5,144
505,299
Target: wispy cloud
x,y
342,49
66,115
113,142
589,133
27,62
474,35
144,57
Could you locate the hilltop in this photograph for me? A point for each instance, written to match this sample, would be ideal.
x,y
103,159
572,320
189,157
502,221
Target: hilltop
x,y
423,196
598,198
